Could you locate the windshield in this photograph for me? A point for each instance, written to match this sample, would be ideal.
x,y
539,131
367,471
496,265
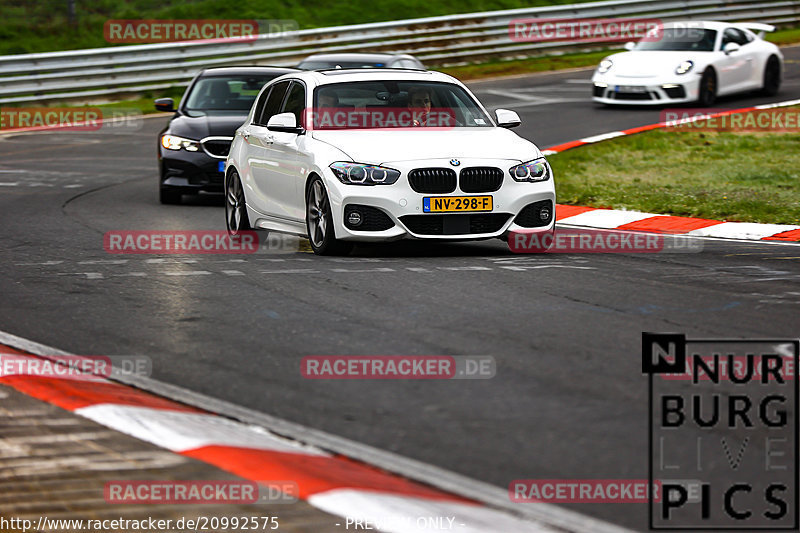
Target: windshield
x,y
232,95
680,40
396,104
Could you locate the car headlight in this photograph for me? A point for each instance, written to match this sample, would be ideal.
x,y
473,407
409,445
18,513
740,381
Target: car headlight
x,y
361,174
173,142
684,67
605,66
536,170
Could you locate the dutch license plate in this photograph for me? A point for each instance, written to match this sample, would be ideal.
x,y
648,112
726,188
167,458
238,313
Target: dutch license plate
x,y
444,204
630,89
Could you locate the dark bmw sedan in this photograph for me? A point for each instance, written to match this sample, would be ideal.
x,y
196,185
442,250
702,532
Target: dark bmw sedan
x,y
193,147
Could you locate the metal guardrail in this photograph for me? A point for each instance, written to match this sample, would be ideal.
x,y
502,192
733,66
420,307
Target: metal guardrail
x,y
437,41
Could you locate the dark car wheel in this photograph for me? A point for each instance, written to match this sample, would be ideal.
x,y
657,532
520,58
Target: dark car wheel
x,y
708,88
236,217
772,77
319,222
169,196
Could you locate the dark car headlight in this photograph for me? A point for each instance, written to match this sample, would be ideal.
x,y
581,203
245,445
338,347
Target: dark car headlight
x,y
173,142
536,170
362,174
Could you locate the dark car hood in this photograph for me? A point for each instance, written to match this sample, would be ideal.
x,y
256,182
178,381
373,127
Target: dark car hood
x,y
206,126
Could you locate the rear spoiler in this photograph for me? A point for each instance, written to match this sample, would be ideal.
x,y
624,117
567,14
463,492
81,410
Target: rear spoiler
x,y
756,27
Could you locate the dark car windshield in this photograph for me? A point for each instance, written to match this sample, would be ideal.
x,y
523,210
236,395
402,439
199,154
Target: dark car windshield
x,y
395,104
225,95
315,65
679,40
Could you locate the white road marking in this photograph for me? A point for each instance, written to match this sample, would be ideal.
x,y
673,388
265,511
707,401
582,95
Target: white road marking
x,y
354,270
292,271
46,263
233,272
465,268
606,218
188,273
89,275
162,261
536,267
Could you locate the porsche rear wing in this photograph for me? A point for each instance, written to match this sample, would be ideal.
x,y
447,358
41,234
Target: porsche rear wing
x,y
756,27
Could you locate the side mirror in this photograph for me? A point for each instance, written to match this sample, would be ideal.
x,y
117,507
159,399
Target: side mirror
x,y
165,104
507,118
730,48
285,122
630,45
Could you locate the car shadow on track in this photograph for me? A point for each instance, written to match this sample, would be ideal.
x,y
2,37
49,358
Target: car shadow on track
x,y
489,247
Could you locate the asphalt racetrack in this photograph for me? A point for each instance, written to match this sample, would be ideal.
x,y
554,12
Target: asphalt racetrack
x,y
568,400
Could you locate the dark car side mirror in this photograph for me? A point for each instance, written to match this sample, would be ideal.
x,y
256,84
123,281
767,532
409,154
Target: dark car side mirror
x,y
165,104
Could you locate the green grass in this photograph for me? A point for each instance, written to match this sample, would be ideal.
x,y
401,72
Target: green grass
x,y
41,26
525,66
721,176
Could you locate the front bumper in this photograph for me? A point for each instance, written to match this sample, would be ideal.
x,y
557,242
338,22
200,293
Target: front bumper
x,y
645,91
191,171
402,206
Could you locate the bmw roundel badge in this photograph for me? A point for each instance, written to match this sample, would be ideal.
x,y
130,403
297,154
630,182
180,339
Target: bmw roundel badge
x,y
455,162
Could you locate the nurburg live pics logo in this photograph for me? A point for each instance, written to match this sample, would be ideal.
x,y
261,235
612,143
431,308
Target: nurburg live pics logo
x,y
723,432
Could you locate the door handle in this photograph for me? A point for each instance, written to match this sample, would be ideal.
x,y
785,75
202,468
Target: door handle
x,y
269,139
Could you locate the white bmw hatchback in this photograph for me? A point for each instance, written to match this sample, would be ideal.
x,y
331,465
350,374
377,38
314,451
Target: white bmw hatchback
x,y
340,156
690,62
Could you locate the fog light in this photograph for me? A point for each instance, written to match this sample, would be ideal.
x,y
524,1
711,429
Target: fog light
x,y
354,218
545,214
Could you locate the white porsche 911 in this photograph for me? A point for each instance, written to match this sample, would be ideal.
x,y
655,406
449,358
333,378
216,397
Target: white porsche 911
x,y
340,156
690,62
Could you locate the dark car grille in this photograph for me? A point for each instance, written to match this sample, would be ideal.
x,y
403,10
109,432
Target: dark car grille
x,y
676,92
372,218
530,216
481,179
432,180
461,224
217,147
632,96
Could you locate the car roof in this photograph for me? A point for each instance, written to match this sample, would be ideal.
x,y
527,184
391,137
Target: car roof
x,y
354,57
244,70
344,75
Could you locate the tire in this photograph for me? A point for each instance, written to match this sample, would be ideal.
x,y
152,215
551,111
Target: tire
x,y
772,77
319,222
169,196
236,219
707,94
